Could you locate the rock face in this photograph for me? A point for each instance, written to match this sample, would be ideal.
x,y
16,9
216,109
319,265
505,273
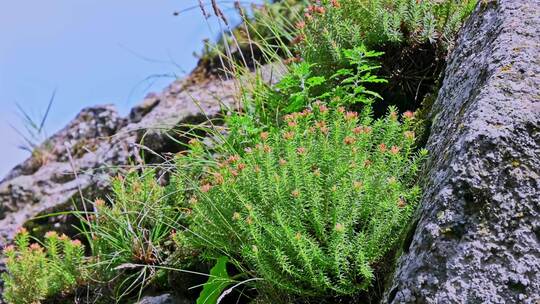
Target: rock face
x,y
78,160
477,239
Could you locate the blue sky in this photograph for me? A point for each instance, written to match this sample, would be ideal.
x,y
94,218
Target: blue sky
x,y
92,52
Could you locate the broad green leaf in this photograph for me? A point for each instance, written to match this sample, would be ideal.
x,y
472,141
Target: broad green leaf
x,y
217,282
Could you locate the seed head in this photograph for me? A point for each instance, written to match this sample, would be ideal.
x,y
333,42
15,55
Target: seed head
x,y
205,188
349,140
339,227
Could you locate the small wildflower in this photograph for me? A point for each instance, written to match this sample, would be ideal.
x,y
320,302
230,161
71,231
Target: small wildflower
x,y
339,227
320,124
298,39
409,134
317,172
300,25
367,163
295,193
249,220
341,109
205,188
323,108
352,165
264,135
233,158
236,216
394,150
241,166
99,203
351,115
249,207
267,149
367,130
36,247
298,236
324,130
393,115
76,243
301,150
358,130
382,147
349,140
51,234
233,172
321,10
64,237
218,179
193,200
22,230
408,115
282,162
401,202
357,185
292,124
288,135
9,249
335,3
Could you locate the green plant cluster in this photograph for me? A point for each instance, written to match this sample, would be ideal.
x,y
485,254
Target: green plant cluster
x,y
312,207
134,231
329,26
303,196
35,273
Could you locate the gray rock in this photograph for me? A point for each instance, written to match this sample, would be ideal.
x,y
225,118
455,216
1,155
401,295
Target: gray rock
x,y
79,160
477,239
163,299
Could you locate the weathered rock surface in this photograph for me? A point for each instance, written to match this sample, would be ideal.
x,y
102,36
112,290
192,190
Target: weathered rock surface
x,y
79,159
477,239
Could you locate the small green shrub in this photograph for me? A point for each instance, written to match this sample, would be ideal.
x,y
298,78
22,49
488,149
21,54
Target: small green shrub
x,y
35,273
135,231
313,206
332,25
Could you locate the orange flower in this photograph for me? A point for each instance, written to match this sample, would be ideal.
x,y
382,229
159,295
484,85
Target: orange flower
x,y
292,124
205,188
35,247
349,140
300,25
335,3
76,243
350,115
409,134
408,115
301,150
288,135
394,150
9,249
218,179
401,202
264,135
382,148
295,193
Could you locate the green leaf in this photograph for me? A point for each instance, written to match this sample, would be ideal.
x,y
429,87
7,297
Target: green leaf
x,y
217,282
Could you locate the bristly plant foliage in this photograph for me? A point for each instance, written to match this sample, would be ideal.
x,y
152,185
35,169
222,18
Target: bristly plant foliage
x,y
332,25
312,207
35,273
